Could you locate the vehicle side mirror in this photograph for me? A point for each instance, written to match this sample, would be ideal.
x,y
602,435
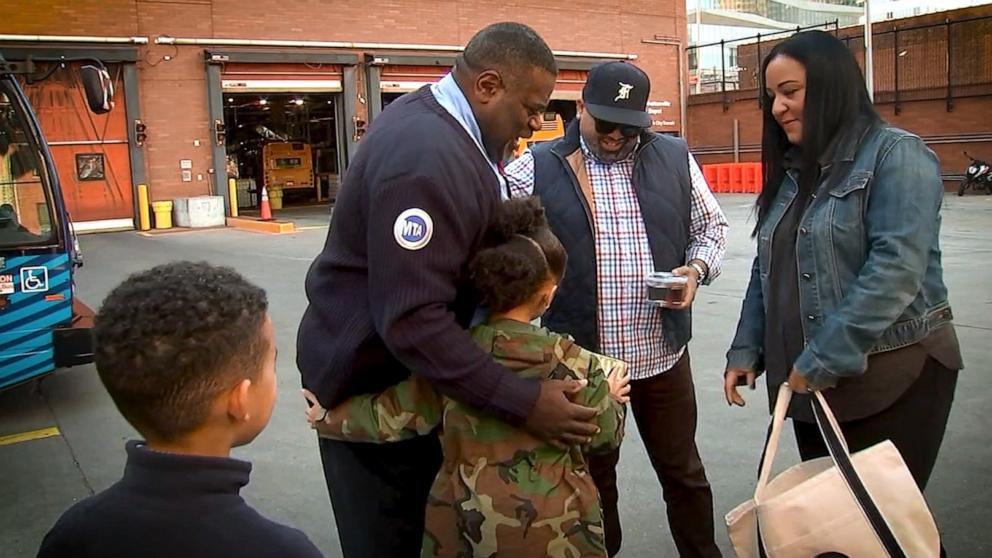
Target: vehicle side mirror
x,y
99,88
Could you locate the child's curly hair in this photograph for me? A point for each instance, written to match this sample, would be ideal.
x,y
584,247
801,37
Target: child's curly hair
x,y
521,254
169,340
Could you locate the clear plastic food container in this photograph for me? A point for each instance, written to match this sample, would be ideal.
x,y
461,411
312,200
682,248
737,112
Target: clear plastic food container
x,y
665,289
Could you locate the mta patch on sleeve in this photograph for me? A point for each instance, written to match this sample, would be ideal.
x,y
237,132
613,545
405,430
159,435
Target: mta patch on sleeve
x,y
413,229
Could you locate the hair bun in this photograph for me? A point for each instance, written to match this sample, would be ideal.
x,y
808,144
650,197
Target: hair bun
x,y
516,216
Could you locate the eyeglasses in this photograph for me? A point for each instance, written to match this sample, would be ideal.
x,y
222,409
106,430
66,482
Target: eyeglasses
x,y
627,131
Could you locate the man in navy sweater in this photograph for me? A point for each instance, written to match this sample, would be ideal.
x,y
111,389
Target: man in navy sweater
x,y
389,293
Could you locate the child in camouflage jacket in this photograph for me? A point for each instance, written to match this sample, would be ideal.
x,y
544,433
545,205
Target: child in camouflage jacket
x,y
501,491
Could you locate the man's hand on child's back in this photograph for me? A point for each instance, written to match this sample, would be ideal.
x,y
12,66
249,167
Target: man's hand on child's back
x,y
619,381
557,419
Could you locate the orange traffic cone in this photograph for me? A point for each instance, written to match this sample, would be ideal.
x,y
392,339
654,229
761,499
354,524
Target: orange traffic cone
x,y
264,208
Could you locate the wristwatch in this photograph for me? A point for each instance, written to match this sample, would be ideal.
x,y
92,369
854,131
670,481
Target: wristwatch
x,y
699,269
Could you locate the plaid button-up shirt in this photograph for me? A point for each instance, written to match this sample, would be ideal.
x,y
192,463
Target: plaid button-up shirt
x,y
630,326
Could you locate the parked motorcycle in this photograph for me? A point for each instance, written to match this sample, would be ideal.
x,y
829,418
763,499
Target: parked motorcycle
x,y
978,176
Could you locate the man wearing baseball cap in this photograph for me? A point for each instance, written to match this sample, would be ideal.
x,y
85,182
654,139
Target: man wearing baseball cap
x,y
625,202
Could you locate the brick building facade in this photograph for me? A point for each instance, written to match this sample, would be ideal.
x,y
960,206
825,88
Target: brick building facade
x,y
176,61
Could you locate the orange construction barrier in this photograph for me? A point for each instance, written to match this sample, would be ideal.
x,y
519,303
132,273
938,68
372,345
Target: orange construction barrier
x,y
709,172
736,179
723,178
733,178
714,170
749,182
754,173
747,178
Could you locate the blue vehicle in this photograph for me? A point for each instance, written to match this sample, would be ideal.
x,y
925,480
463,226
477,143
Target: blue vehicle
x,y
43,326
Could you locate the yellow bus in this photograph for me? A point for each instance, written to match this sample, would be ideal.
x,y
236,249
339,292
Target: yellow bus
x,y
287,165
552,127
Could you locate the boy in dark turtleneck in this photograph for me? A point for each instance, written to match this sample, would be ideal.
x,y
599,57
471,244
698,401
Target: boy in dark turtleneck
x,y
187,353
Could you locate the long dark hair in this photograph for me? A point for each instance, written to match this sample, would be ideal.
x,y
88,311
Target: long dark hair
x,y
836,97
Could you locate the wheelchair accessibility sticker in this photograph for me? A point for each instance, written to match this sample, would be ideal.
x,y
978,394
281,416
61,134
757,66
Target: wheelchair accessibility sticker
x,y
34,279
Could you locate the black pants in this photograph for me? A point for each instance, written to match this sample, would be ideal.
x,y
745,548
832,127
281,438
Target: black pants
x,y
379,493
664,407
915,423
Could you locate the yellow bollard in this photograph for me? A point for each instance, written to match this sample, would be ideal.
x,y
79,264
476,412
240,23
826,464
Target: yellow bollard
x,y
163,214
232,195
275,198
144,219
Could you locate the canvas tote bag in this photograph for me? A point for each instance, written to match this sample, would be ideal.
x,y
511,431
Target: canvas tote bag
x,y
864,505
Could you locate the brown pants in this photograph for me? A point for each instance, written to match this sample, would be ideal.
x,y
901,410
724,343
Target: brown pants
x,y
664,407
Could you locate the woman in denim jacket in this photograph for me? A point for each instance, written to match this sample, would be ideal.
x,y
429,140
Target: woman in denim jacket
x,y
847,292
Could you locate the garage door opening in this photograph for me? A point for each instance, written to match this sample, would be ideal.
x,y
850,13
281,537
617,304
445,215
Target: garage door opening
x,y
287,142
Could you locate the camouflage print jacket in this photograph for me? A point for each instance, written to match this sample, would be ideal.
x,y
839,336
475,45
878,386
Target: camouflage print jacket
x,y
500,491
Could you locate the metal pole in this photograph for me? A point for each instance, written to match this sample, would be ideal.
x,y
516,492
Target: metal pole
x,y
757,74
723,76
699,39
869,66
215,106
950,98
896,54
683,102
737,141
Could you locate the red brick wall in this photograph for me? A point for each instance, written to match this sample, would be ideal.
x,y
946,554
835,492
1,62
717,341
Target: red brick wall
x,y
173,93
174,98
710,127
70,17
929,118
174,108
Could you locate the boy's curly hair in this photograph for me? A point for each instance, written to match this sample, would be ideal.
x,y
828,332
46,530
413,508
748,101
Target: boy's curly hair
x,y
169,340
521,254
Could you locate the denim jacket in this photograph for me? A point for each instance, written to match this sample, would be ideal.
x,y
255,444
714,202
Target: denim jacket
x,y
868,255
